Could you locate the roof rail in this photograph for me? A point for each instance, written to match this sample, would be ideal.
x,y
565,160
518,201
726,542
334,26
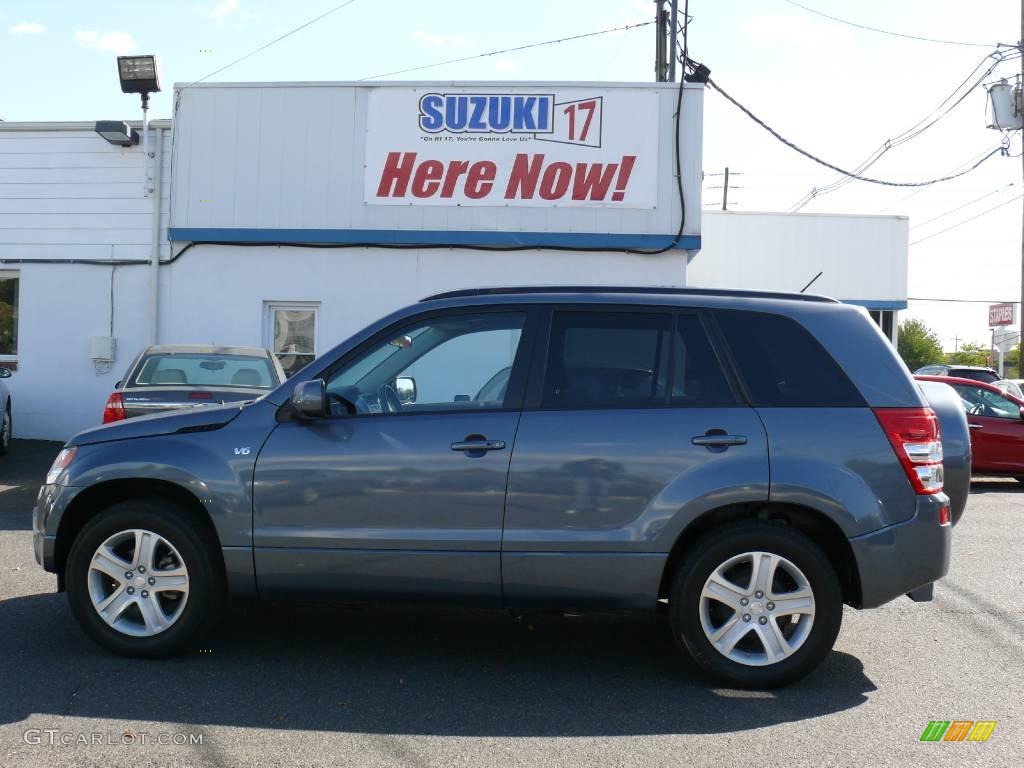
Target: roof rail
x,y
645,290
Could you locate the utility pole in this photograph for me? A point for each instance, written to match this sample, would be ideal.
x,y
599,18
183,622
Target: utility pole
x,y
725,186
1018,105
665,29
661,33
673,37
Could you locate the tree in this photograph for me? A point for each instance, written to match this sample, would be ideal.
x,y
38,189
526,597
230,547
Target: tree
x,y
970,353
918,344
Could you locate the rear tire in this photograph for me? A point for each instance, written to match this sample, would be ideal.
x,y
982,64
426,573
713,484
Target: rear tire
x,y
151,611
782,631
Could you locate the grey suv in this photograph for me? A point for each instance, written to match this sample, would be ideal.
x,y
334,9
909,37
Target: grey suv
x,y
747,463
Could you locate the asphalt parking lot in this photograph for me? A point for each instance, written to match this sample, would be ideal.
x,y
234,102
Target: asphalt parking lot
x,y
320,684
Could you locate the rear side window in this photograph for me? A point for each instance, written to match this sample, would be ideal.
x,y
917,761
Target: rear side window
x,y
782,364
697,377
607,358
613,359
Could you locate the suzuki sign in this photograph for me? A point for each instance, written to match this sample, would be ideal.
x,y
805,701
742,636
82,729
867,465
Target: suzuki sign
x,y
571,148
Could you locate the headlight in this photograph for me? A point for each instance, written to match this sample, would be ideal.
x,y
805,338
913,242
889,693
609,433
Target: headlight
x,y
61,463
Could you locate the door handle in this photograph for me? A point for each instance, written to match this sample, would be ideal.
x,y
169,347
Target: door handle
x,y
719,440
478,445
976,426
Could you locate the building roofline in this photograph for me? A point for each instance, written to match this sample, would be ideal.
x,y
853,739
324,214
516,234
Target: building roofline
x,y
74,125
809,214
535,84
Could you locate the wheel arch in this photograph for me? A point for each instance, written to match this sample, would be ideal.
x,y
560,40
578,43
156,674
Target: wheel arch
x,y
98,497
815,524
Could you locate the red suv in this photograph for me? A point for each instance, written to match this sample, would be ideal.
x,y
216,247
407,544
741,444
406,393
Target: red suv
x,y
996,419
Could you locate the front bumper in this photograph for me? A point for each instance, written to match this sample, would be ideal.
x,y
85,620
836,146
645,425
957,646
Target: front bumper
x,y
50,505
906,557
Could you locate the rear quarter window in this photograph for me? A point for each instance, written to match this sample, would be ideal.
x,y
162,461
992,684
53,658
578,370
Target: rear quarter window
x,y
782,364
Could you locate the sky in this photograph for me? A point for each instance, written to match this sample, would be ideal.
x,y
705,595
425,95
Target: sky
x,y
835,90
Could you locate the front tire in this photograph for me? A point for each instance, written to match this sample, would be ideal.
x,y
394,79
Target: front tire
x,y
143,580
757,605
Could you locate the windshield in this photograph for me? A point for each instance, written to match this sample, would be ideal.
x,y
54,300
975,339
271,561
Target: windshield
x,y
198,370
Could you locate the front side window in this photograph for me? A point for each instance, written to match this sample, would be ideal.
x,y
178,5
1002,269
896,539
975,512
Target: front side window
x,y
8,313
450,363
291,334
978,401
199,370
607,359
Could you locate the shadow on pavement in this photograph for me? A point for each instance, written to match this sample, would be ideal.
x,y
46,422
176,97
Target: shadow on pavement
x,y
401,671
995,485
22,471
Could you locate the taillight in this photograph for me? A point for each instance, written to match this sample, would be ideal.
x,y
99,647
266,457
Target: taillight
x,y
114,409
914,435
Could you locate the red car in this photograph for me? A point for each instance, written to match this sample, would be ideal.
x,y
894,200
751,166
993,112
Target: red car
x,y
996,419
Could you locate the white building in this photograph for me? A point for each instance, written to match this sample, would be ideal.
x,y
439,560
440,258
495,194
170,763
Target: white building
x,y
291,215
858,259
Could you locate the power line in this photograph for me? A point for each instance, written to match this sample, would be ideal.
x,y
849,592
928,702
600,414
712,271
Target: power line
x,y
961,207
886,31
968,301
917,192
836,168
965,221
274,41
944,108
508,50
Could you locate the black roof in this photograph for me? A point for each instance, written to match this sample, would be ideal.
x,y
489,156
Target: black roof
x,y
642,290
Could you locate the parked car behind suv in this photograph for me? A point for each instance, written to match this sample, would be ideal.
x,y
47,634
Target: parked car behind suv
x,y
976,372
169,376
996,421
755,461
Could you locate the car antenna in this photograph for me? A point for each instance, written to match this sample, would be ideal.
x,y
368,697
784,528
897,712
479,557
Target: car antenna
x,y
812,281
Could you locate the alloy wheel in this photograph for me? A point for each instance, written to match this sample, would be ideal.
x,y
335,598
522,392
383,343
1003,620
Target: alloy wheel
x,y
138,583
757,608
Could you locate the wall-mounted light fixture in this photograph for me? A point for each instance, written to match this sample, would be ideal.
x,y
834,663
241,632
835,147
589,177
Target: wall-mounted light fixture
x,y
117,132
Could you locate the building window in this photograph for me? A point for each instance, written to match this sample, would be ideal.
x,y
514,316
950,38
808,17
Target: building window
x,y
290,333
8,314
885,319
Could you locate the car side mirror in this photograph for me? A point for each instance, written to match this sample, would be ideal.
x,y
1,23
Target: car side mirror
x,y
1022,411
405,386
5,373
309,398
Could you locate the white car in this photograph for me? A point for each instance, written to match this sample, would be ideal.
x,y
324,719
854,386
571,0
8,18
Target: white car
x,y
5,412
1012,386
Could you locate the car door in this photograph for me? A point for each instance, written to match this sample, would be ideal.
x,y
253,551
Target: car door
x,y
404,497
997,430
631,429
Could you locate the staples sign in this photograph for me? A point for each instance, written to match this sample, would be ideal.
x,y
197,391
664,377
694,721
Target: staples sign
x,y
512,148
1000,315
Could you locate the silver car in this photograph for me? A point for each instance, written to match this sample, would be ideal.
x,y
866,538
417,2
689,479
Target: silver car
x,y
6,424
170,376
